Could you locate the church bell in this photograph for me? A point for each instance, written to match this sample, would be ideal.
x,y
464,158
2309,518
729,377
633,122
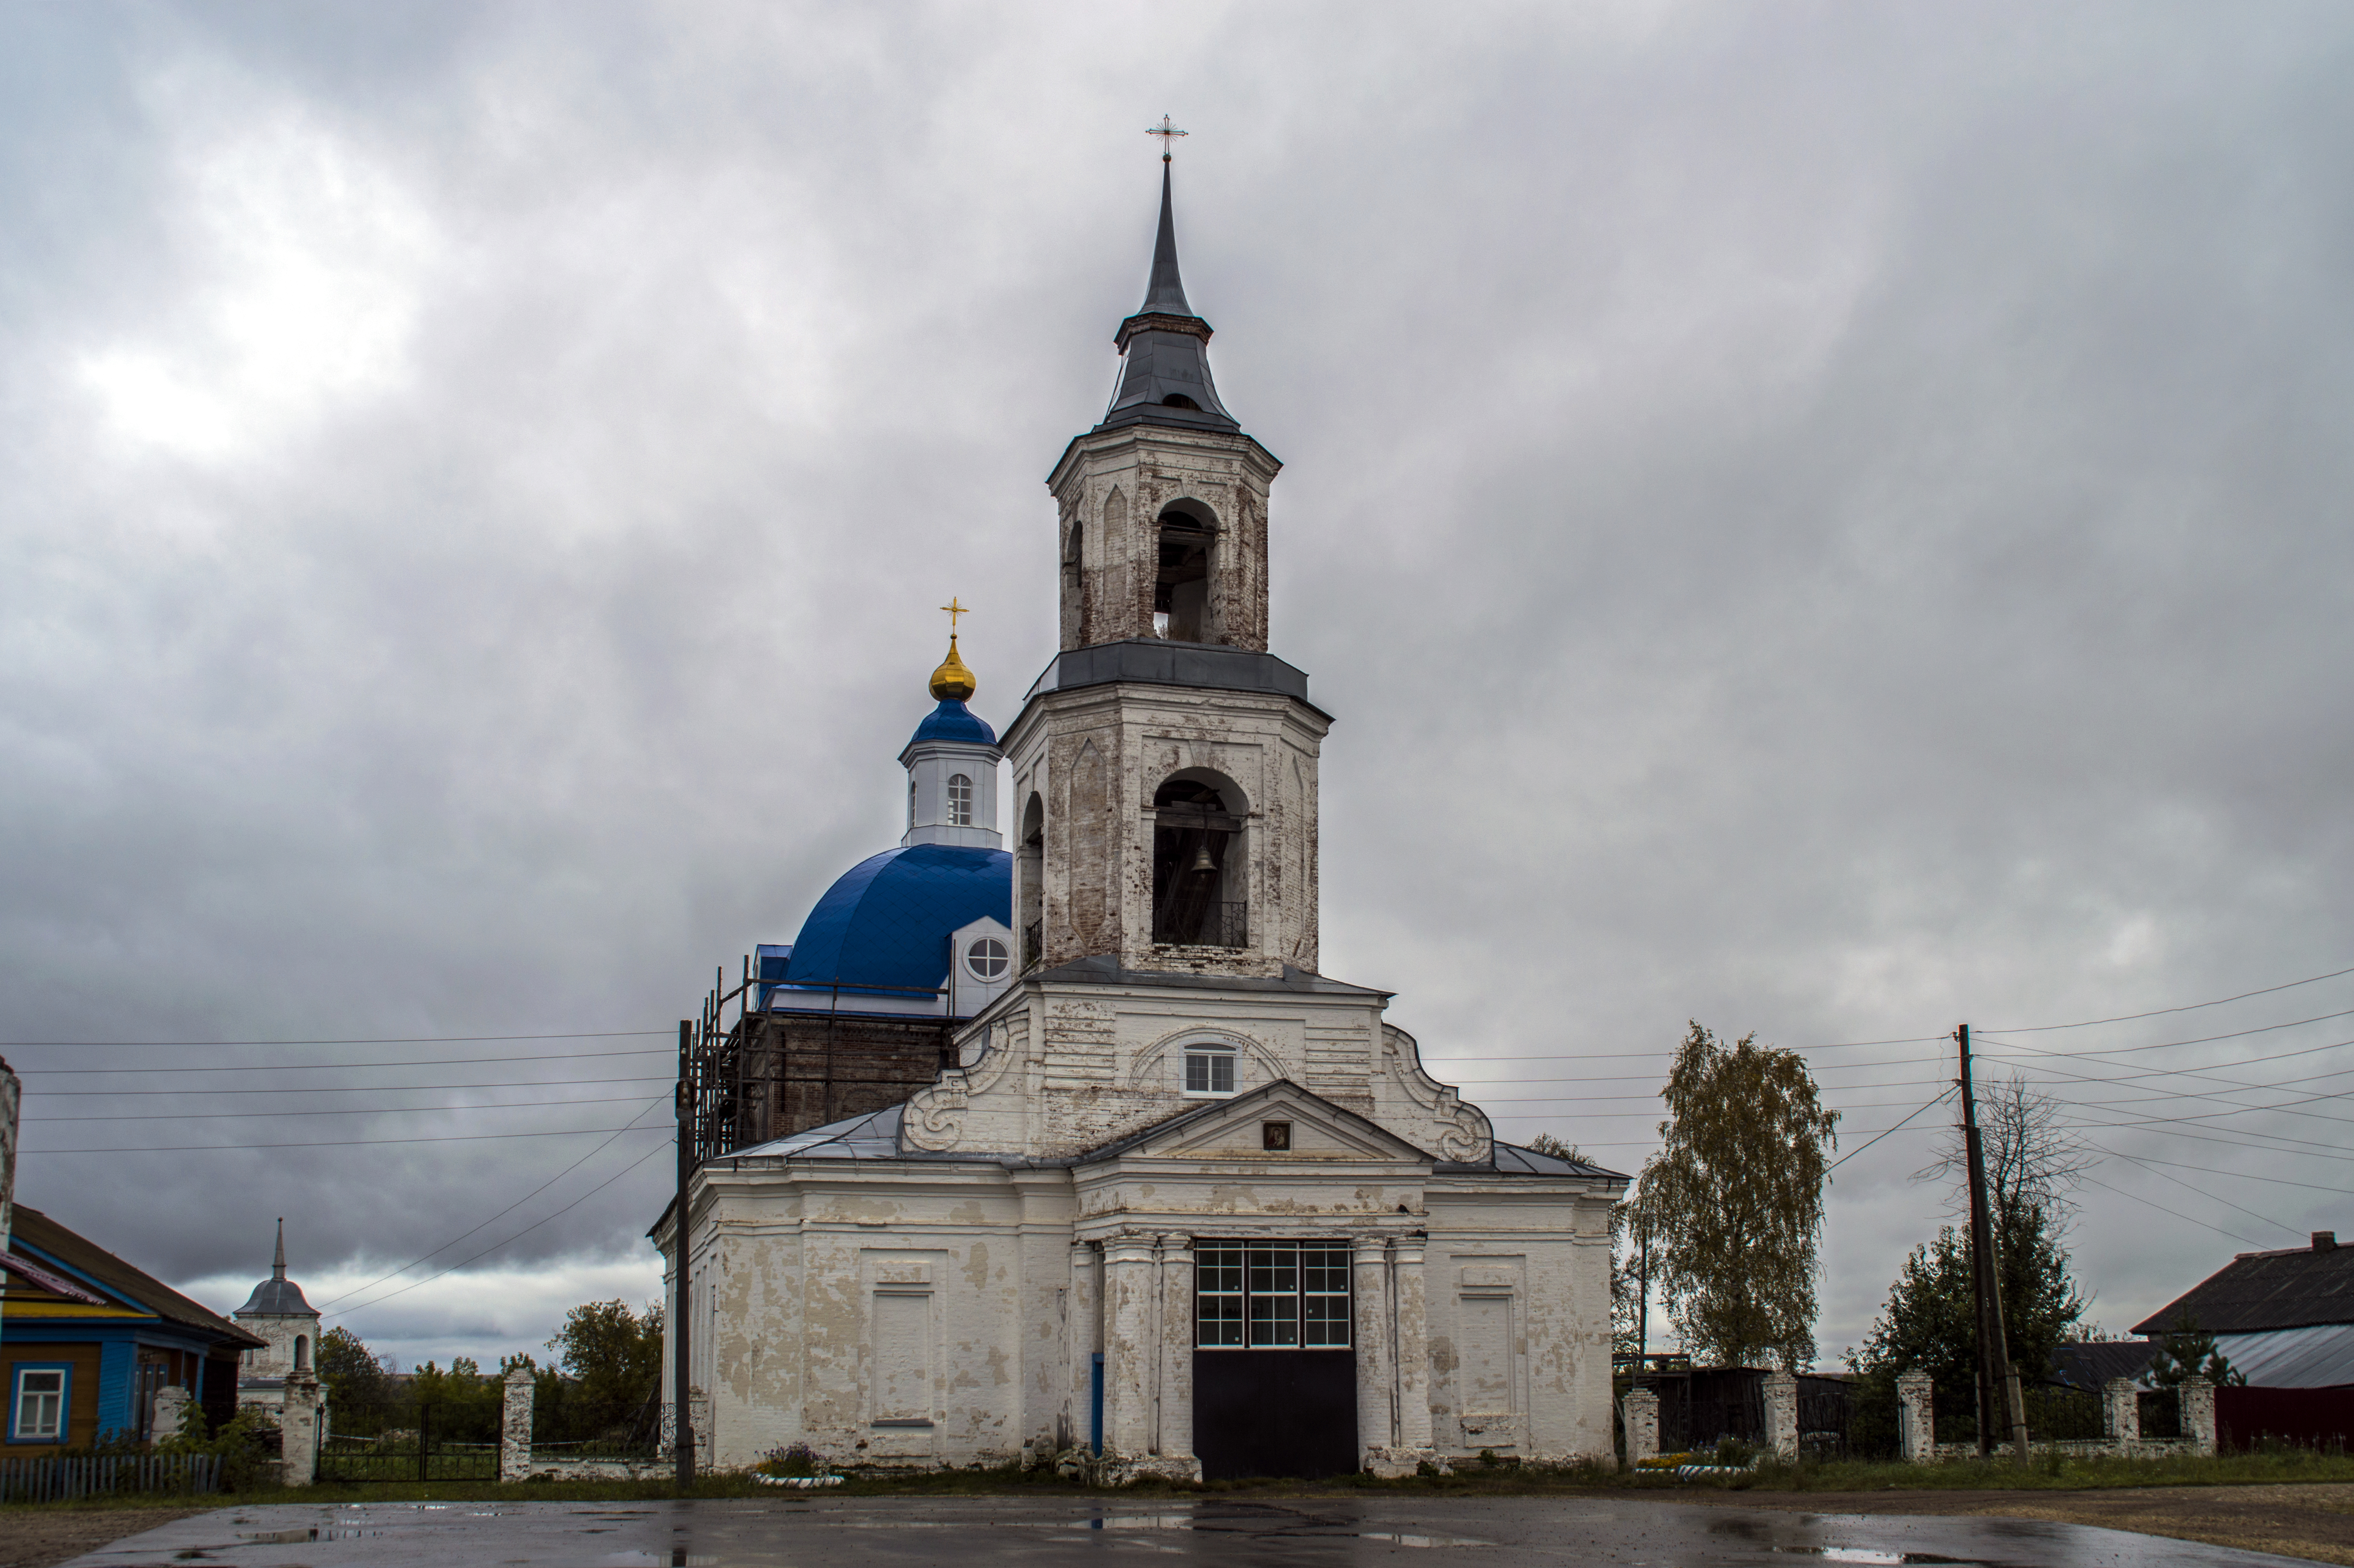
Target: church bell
x,y
1202,860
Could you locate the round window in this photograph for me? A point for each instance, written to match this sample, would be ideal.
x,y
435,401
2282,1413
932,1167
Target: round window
x,y
986,959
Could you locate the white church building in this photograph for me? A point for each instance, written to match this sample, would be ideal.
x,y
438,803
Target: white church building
x,y
1172,1197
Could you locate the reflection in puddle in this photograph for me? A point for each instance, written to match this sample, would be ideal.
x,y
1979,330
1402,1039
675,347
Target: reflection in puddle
x,y
1862,1554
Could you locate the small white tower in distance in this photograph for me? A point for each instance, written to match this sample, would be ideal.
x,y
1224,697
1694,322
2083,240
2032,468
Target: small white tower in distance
x,y
276,1312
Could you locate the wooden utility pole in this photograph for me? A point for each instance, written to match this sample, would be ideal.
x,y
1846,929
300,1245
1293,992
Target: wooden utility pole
x,y
681,1424
1998,1383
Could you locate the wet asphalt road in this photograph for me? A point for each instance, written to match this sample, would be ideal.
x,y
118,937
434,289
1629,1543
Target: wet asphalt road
x,y
1025,1532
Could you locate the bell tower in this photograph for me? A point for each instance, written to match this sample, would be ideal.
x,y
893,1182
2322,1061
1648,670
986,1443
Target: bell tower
x,y
1164,768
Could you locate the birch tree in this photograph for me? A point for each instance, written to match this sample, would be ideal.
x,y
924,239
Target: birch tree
x,y
1735,1201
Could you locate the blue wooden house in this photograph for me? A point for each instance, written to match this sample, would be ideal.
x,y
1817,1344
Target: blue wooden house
x,y
87,1341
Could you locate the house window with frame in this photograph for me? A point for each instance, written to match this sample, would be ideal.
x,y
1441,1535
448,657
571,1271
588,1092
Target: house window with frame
x,y
960,801
1271,1295
37,1408
1209,1070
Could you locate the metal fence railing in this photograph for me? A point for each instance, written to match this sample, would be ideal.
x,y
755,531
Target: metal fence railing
x,y
56,1479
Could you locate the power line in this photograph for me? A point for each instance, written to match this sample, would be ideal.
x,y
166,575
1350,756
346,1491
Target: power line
x,y
329,1143
2161,1012
387,1040
494,1246
2202,1040
2212,1171
391,1088
2162,1209
338,1066
341,1110
510,1209
1877,1137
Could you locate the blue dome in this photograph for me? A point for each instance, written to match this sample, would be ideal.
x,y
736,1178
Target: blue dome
x,y
953,721
887,922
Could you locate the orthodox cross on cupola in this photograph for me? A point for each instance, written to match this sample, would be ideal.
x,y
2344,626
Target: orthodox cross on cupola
x,y
1167,132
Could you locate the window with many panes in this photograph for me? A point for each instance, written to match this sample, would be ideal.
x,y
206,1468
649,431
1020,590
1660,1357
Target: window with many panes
x,y
1271,1295
1209,1070
960,801
40,1404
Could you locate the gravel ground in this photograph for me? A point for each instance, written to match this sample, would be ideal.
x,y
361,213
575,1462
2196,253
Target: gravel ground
x,y
37,1537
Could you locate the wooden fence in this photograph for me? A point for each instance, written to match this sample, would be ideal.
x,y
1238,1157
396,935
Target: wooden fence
x,y
55,1479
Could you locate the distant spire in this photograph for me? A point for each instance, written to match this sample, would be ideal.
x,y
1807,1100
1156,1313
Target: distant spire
x,y
277,1268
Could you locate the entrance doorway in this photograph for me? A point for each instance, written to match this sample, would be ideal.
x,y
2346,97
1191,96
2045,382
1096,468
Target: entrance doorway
x,y
1275,1372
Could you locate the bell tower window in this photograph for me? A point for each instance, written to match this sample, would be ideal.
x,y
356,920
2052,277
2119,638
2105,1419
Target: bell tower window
x,y
1197,874
960,801
1181,588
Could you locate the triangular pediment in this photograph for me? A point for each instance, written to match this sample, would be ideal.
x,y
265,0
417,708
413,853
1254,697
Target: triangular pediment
x,y
1237,1129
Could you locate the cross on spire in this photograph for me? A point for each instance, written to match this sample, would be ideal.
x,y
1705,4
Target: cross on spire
x,y
1167,132
954,609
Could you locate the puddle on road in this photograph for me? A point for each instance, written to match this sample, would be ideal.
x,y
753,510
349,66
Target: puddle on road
x,y
1863,1555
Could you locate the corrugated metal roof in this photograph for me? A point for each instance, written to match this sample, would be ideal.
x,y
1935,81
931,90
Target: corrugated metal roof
x,y
2263,1290
2319,1357
2090,1364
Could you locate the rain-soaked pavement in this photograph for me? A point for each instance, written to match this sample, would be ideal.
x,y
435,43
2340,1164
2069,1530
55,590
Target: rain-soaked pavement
x,y
1030,1532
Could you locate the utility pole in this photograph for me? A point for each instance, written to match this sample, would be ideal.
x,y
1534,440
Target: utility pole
x,y
1998,1383
681,1424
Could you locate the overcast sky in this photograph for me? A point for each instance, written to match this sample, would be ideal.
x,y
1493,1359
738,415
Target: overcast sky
x,y
1830,521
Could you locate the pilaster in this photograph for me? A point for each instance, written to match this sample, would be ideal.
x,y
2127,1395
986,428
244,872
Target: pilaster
x,y
1374,1328
1413,1350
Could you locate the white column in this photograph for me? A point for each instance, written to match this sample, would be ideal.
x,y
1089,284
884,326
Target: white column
x,y
298,1431
1176,1441
2198,1414
1413,1351
2122,1405
1916,1417
514,1425
1373,1323
172,1405
1128,1350
1641,1409
1782,1414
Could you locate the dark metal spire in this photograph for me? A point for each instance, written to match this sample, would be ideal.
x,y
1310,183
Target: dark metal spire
x,y
1166,379
277,1268
1165,294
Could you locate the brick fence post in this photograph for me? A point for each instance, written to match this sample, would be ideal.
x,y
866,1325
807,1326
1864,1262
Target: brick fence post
x,y
171,1413
298,1431
1641,1408
2198,1414
514,1423
1916,1417
2120,1405
1782,1414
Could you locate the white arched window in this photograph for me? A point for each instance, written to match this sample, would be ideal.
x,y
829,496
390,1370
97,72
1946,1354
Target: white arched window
x,y
960,801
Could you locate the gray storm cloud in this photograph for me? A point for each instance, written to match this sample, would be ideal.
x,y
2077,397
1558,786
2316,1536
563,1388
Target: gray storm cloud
x,y
1824,521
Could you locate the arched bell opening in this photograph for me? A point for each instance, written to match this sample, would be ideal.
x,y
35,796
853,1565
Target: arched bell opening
x,y
1199,886
1188,535
1030,878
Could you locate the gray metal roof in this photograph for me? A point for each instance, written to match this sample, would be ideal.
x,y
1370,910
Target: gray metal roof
x,y
874,1135
2260,1290
278,1296
1103,969
1167,347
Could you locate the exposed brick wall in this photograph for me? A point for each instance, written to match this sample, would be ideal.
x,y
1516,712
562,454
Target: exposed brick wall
x,y
805,1070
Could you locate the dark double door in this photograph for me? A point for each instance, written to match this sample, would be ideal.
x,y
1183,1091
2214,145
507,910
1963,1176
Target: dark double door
x,y
1275,1412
